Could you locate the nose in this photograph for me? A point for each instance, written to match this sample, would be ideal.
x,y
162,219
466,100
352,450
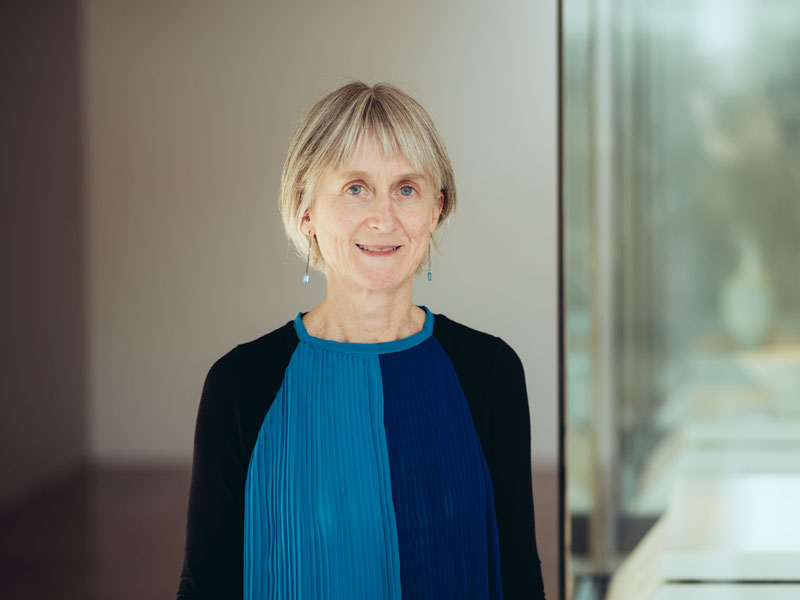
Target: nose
x,y
382,212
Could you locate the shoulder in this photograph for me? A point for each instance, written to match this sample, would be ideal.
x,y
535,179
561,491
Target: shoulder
x,y
241,385
463,341
492,378
278,343
254,364
486,366
443,326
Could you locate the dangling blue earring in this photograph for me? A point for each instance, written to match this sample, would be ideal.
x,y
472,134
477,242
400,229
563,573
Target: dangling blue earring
x,y
305,277
429,260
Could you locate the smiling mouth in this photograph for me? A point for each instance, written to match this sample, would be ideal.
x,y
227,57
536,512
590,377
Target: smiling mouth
x,y
378,249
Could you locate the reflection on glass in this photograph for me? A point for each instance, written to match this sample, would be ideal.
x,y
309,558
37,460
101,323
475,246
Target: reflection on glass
x,y
682,267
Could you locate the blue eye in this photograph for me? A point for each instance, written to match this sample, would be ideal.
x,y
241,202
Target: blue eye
x,y
406,190
355,189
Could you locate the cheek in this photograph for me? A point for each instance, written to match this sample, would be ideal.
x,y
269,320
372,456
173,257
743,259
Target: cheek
x,y
340,233
335,224
346,228
420,231
347,222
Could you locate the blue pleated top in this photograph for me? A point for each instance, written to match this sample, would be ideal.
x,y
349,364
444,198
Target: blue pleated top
x,y
368,480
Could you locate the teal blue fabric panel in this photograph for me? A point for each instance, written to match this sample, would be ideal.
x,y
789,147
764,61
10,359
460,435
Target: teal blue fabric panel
x,y
319,518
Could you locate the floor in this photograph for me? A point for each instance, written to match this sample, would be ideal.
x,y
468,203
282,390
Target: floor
x,y
118,533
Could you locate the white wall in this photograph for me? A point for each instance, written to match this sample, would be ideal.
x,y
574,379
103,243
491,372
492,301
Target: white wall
x,y
189,108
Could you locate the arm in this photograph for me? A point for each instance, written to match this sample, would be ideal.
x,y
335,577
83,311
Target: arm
x,y
511,479
212,566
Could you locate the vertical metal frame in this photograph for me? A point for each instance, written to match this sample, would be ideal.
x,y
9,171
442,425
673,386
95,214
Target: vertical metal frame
x,y
604,390
562,490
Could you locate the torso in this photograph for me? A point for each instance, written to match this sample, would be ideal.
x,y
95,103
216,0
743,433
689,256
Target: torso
x,y
368,478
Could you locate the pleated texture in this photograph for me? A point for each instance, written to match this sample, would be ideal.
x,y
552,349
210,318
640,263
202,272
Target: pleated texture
x,y
368,480
441,487
319,518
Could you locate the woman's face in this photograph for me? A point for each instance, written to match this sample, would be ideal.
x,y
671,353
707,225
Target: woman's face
x,y
373,201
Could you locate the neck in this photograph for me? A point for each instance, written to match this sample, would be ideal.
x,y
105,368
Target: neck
x,y
365,316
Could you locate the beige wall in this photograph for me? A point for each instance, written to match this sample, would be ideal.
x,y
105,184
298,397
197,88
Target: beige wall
x,y
43,362
189,110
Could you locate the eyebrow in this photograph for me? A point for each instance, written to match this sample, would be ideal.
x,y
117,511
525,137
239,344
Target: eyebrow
x,y
365,175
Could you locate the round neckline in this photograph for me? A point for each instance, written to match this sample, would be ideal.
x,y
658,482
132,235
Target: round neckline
x,y
369,348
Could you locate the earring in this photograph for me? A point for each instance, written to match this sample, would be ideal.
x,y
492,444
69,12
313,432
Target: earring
x,y
305,277
429,260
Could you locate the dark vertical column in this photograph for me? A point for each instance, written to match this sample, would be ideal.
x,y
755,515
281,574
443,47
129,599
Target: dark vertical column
x,y
43,361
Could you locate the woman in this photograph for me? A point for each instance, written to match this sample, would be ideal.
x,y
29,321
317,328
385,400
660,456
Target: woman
x,y
368,448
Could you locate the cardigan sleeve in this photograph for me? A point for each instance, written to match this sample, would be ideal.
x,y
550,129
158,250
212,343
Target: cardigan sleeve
x,y
511,445
212,566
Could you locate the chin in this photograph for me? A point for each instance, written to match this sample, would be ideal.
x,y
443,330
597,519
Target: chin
x,y
383,281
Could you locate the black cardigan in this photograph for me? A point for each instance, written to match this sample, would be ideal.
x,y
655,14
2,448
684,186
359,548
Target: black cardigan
x,y
236,396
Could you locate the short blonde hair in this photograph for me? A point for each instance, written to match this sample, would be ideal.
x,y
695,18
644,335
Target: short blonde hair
x,y
330,133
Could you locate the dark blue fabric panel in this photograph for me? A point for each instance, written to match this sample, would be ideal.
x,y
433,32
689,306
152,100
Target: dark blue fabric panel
x,y
441,487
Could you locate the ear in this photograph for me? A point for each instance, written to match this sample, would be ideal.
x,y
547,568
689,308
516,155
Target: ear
x,y
437,210
306,219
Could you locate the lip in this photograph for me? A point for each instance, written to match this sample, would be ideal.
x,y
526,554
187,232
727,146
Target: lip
x,y
380,246
380,254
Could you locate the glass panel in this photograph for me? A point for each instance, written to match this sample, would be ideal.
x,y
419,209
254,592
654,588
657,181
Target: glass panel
x,y
682,239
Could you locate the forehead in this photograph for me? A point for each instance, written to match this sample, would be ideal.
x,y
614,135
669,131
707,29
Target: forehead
x,y
370,158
